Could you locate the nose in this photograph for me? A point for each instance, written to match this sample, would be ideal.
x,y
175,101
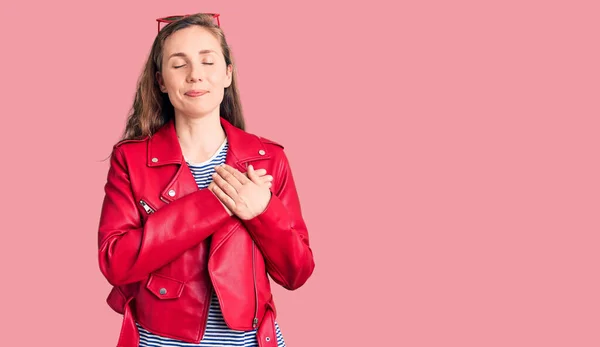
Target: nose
x,y
195,74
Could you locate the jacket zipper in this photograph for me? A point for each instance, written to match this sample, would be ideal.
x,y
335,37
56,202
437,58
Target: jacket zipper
x,y
146,207
255,321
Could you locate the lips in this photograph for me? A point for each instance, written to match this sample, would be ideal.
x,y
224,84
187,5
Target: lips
x,y
196,92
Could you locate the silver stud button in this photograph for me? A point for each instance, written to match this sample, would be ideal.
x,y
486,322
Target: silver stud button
x,y
162,291
171,192
154,160
261,152
268,339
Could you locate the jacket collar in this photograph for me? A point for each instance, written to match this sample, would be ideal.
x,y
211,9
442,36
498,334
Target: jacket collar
x,y
164,148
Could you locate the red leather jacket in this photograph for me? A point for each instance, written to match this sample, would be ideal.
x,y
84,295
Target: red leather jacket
x,y
164,244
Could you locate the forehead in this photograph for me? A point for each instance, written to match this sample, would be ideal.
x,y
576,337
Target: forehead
x,y
191,39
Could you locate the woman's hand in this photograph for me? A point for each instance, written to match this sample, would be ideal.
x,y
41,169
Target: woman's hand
x,y
260,177
246,196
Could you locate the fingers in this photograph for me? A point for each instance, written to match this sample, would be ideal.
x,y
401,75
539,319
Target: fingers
x,y
227,183
260,172
224,176
232,175
252,174
224,197
266,179
230,180
255,177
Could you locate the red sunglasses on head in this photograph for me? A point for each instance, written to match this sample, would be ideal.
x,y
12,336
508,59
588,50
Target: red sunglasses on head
x,y
171,19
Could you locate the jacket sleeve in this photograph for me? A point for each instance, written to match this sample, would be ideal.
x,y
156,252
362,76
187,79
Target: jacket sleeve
x,y
281,234
128,250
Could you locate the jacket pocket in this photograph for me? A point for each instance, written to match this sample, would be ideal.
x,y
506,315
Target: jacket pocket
x,y
164,287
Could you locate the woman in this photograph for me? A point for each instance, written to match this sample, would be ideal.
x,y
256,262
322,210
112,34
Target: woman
x,y
191,224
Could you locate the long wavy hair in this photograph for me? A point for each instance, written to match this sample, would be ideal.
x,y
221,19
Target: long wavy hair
x,y
152,108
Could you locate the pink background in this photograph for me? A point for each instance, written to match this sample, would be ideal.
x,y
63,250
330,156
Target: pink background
x,y
446,155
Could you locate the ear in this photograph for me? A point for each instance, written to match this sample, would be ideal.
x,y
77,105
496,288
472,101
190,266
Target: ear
x,y
160,81
229,73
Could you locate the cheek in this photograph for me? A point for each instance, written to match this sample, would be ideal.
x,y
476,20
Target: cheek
x,y
218,96
171,79
217,78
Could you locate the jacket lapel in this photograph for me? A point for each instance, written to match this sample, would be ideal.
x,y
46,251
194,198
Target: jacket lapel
x,y
164,149
243,147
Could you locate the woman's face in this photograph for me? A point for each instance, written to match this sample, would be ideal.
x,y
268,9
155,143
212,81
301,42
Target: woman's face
x,y
194,72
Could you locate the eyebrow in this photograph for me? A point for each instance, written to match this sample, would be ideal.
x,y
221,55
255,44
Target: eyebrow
x,y
181,54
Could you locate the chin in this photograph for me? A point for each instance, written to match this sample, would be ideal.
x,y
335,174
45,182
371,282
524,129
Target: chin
x,y
199,112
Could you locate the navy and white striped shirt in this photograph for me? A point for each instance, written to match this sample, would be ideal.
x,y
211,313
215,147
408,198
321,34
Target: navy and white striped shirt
x,y
217,334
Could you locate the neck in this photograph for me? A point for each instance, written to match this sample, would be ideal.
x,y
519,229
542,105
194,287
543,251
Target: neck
x,y
199,138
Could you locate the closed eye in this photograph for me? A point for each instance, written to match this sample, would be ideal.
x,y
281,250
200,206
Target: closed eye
x,y
180,66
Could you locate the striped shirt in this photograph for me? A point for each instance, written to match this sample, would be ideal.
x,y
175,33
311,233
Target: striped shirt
x,y
217,334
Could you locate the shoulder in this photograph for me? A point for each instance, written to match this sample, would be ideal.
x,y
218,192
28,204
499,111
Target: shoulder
x,y
127,152
275,150
270,143
255,139
269,148
131,144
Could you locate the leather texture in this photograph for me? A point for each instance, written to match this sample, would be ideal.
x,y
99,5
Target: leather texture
x,y
164,244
